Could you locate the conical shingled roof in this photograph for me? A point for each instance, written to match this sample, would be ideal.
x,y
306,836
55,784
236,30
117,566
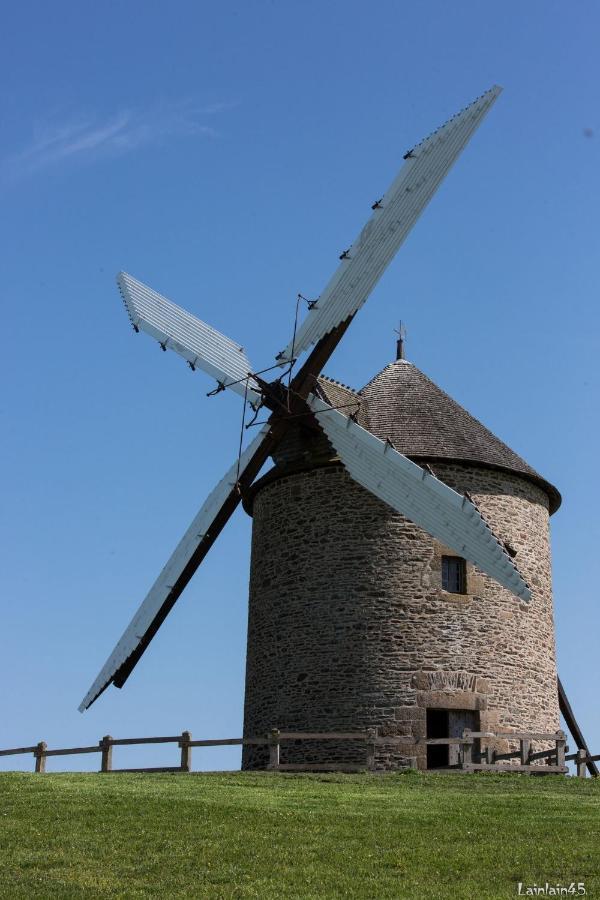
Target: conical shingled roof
x,y
424,423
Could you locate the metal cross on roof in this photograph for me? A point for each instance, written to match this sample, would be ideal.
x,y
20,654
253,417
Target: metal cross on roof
x,y
401,332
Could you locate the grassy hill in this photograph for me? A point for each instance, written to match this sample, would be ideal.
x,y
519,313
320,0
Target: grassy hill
x,y
298,836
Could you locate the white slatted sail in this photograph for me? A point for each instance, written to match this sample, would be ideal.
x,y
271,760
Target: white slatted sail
x,y
394,216
175,329
159,592
422,498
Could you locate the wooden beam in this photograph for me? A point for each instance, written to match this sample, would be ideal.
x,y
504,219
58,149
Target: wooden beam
x,y
569,717
70,751
529,735
17,750
106,762
40,757
325,736
186,751
515,754
543,754
321,767
371,734
533,770
123,742
273,749
304,382
230,742
561,745
157,769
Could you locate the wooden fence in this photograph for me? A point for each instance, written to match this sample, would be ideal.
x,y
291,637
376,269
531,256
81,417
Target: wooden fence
x,y
471,757
582,760
184,741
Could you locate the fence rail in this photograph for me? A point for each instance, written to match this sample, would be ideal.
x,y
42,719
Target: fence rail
x,y
184,741
471,757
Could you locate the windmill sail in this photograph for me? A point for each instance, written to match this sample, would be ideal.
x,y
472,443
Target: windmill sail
x,y
175,329
390,476
166,589
422,498
394,216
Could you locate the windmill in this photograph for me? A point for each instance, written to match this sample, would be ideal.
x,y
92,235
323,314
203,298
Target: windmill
x,y
412,490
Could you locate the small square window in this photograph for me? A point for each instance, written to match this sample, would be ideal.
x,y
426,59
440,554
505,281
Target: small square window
x,y
454,574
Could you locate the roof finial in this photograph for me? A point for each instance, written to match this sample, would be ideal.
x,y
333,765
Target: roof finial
x,y
401,332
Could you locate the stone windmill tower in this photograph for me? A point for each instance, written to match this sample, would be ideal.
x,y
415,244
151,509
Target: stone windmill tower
x,y
400,556
359,618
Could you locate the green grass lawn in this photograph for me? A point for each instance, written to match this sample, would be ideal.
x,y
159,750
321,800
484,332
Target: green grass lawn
x,y
273,835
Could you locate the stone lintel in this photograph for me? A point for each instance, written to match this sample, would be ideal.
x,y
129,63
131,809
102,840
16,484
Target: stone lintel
x,y
451,700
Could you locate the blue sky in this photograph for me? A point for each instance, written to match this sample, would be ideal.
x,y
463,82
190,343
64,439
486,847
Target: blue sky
x,y
226,154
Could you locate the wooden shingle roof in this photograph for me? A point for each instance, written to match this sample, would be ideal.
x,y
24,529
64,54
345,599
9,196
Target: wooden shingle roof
x,y
401,403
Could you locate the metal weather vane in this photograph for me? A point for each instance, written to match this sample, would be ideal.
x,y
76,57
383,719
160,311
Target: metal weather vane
x,y
376,465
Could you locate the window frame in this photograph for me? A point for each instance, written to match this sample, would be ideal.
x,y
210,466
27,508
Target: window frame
x,y
461,580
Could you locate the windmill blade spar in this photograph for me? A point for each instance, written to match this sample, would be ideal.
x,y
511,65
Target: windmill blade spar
x,y
363,264
422,498
184,561
175,329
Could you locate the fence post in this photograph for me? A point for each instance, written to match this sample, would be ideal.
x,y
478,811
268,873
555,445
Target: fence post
x,y
371,737
490,755
581,766
274,748
186,751
525,751
106,761
40,757
561,740
465,751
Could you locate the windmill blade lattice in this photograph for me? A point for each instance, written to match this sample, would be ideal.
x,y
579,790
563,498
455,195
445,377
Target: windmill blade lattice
x,y
176,329
394,215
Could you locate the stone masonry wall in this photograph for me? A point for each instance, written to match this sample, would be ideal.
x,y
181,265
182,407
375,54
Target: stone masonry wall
x,y
349,626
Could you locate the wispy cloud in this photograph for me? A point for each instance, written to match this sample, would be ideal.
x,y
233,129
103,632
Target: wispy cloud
x,y
89,138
